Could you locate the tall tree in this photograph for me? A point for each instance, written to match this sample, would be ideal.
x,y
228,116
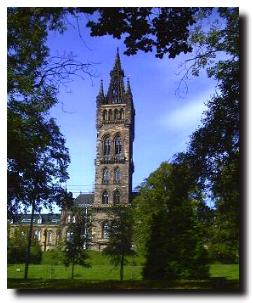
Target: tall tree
x,y
214,149
74,252
166,225
120,243
37,156
34,76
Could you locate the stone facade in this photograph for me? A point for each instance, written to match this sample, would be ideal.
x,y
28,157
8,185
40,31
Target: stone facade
x,y
47,228
50,230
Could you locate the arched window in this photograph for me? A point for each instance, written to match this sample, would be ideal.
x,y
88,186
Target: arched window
x,y
50,236
105,114
116,197
107,146
115,114
106,176
117,146
37,235
105,197
117,175
110,115
105,230
121,114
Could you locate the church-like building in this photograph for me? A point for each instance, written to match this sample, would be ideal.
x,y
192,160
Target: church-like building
x,y
115,116
114,154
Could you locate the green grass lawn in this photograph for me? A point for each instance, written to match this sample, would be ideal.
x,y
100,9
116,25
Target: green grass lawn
x,y
105,272
96,272
103,275
228,271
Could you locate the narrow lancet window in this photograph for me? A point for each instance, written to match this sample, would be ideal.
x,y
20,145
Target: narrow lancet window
x,y
121,114
118,146
117,175
106,176
107,146
105,115
105,197
116,197
116,114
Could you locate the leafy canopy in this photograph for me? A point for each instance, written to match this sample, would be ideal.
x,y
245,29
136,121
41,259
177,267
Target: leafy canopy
x,y
166,225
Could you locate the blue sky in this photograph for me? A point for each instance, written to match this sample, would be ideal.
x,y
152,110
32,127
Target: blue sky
x,y
164,119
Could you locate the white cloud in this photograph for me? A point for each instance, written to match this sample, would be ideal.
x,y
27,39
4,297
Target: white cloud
x,y
186,117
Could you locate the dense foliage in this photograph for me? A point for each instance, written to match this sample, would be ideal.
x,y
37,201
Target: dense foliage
x,y
214,149
166,225
17,247
37,156
164,29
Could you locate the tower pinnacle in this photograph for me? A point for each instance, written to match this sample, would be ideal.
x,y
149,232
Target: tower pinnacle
x,y
128,91
101,95
101,90
117,64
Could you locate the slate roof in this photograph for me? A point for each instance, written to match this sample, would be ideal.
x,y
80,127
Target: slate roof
x,y
49,219
84,200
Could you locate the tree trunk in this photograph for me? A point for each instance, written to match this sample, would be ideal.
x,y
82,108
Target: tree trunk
x,y
28,252
45,241
122,267
72,271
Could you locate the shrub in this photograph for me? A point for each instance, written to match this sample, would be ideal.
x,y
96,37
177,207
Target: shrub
x,y
17,254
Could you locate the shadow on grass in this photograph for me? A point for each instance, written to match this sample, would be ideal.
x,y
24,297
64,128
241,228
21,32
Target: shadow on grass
x,y
212,285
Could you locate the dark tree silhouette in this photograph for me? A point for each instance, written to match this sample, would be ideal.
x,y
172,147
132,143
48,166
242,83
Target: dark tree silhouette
x,y
167,228
120,237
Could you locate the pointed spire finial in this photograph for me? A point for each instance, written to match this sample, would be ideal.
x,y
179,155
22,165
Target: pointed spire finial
x,y
128,86
101,95
101,90
117,64
116,88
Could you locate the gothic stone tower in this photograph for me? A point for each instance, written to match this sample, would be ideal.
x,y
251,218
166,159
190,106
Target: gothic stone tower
x,y
114,153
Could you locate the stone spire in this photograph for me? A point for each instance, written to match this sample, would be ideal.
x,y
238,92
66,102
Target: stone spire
x,y
128,90
101,95
116,88
101,90
117,63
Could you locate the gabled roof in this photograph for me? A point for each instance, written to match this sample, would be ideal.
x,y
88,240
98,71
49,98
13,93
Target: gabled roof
x,y
84,200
